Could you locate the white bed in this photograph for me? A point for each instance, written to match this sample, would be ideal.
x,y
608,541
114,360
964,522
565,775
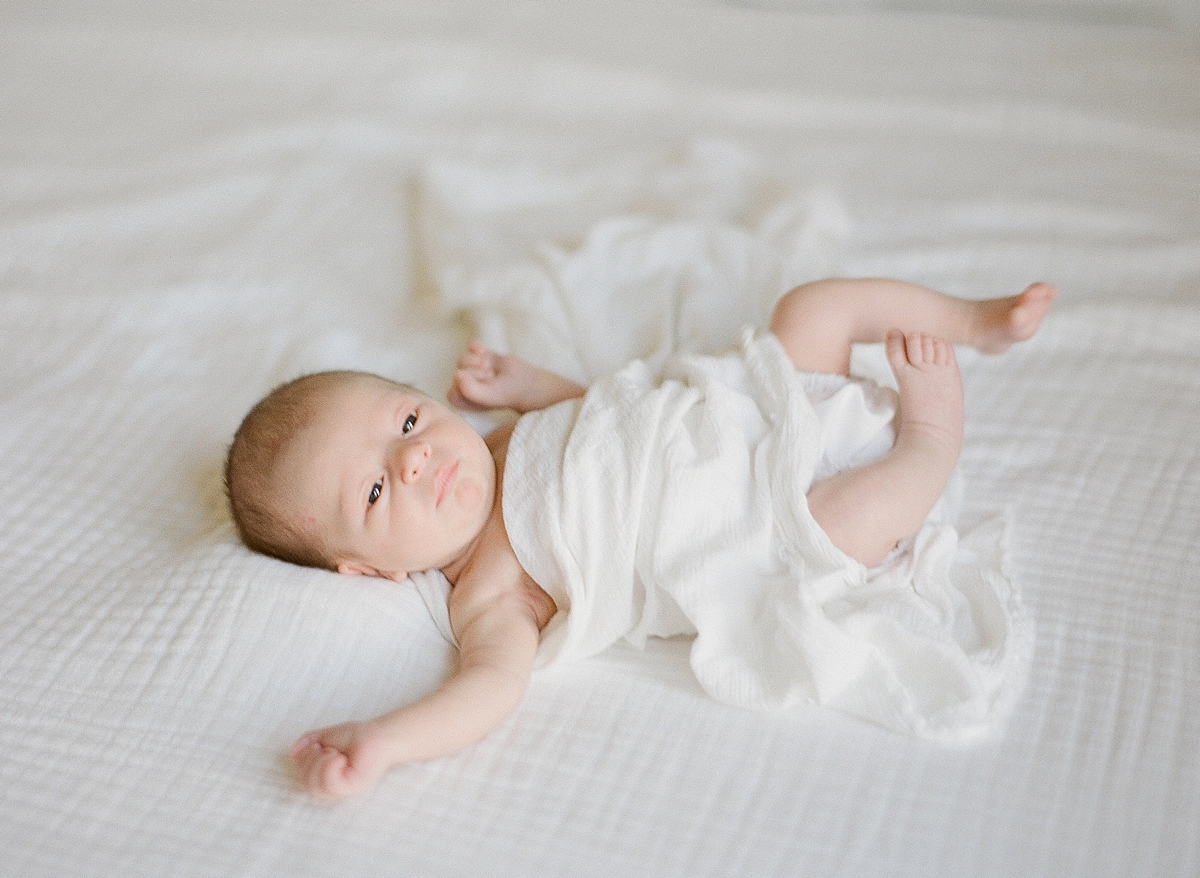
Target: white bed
x,y
197,203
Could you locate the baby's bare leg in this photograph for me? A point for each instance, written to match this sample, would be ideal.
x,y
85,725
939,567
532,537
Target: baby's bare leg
x,y
867,510
816,323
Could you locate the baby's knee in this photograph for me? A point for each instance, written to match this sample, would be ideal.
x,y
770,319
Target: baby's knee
x,y
794,309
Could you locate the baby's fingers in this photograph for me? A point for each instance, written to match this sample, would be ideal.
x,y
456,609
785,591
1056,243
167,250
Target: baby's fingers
x,y
333,777
323,771
303,743
478,360
464,391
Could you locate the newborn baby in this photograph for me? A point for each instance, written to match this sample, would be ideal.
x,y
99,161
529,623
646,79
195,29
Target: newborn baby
x,y
355,473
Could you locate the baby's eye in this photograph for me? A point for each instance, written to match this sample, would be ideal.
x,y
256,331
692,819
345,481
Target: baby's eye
x,y
409,423
376,490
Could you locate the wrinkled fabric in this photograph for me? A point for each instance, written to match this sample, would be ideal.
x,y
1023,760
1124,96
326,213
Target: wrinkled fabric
x,y
676,505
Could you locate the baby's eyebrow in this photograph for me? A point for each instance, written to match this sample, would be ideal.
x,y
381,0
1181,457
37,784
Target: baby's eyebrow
x,y
413,401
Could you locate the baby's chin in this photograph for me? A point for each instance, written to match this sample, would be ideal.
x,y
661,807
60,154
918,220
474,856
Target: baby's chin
x,y
476,509
476,504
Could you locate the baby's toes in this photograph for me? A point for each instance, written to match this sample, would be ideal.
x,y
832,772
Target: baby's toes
x,y
920,349
896,347
929,350
943,352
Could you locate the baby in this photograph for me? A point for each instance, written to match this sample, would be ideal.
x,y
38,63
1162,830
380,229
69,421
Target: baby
x,y
355,473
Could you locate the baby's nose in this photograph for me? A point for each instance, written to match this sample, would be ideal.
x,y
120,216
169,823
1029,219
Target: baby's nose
x,y
412,459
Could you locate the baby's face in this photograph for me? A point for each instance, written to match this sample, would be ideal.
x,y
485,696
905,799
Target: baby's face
x,y
394,481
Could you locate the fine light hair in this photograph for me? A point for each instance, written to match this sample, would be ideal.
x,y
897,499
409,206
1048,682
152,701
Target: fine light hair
x,y
252,463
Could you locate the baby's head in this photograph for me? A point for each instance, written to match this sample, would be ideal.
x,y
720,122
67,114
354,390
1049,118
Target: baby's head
x,y
352,472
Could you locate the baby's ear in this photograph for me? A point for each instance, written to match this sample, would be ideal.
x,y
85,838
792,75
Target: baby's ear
x,y
353,568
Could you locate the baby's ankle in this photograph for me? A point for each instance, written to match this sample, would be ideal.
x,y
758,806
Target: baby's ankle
x,y
939,443
998,324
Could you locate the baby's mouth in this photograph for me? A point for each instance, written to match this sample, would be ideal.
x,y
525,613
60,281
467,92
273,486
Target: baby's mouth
x,y
443,480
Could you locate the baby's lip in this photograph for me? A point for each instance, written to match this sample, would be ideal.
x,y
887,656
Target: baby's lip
x,y
443,479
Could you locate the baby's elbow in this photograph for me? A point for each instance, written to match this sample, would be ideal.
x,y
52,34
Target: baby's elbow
x,y
510,682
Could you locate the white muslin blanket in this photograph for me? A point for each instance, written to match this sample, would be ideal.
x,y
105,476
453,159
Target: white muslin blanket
x,y
675,504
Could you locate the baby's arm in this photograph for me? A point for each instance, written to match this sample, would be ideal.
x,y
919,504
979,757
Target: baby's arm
x,y
487,380
497,645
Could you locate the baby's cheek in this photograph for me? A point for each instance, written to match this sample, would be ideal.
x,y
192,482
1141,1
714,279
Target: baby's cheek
x,y
469,493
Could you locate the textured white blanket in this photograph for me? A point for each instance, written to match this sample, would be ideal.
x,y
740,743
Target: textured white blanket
x,y
677,506
200,200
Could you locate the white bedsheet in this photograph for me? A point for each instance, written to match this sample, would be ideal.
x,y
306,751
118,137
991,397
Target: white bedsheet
x,y
196,203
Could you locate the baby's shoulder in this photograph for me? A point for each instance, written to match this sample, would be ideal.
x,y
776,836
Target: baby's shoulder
x,y
496,578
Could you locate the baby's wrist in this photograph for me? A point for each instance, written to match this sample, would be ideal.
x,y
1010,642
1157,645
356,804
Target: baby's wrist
x,y
387,737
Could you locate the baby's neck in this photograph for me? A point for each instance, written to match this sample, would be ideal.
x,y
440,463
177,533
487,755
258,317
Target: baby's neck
x,y
455,568
497,442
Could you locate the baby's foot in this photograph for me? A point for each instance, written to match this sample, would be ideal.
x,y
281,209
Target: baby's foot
x,y
1001,323
931,393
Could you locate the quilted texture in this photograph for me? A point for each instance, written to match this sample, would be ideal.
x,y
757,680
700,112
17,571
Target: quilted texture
x,y
195,206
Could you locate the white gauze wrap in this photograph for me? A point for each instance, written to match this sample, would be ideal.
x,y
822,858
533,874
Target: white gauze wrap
x,y
659,506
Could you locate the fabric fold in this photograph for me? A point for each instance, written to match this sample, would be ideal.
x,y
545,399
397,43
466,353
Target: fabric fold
x,y
675,503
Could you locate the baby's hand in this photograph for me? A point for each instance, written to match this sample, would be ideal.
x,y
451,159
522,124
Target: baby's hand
x,y
340,761
485,380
